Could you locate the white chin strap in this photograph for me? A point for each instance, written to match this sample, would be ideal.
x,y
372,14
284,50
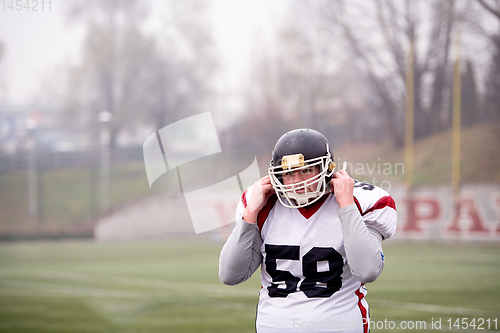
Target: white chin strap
x,y
302,198
292,199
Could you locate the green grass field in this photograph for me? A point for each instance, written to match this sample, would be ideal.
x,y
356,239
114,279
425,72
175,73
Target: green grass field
x,y
172,286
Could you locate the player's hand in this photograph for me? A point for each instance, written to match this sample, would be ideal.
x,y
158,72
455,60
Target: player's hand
x,y
262,190
343,187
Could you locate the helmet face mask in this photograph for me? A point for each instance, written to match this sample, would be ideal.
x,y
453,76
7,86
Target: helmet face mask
x,y
299,151
299,194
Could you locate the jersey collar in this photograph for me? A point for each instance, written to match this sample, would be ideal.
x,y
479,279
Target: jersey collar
x,y
309,211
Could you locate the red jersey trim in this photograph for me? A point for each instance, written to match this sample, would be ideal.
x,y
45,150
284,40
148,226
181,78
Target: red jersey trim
x,y
383,202
358,205
362,309
307,212
264,212
244,199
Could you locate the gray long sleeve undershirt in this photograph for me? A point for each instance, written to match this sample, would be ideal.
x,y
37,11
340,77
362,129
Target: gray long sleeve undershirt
x,y
363,245
240,257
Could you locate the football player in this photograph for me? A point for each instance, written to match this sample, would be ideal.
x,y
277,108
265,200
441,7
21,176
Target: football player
x,y
317,235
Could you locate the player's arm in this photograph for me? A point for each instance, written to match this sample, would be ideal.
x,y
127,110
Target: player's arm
x,y
363,245
262,190
240,257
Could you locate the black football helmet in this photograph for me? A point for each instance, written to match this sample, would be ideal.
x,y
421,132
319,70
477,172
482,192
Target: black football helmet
x,y
297,150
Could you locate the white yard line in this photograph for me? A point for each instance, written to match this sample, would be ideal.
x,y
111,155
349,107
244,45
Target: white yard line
x,y
433,308
178,286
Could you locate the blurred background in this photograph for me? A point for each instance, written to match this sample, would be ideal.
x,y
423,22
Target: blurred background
x,y
407,92
83,84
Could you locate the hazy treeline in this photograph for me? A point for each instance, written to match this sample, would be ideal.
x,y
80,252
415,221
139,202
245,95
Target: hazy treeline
x,y
337,66
341,67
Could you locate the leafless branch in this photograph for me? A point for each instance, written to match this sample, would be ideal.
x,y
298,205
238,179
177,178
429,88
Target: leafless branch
x,y
488,7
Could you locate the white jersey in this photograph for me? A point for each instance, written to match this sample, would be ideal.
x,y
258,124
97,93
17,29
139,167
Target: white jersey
x,y
307,284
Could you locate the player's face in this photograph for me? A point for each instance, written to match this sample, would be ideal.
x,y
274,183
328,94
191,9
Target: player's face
x,y
297,176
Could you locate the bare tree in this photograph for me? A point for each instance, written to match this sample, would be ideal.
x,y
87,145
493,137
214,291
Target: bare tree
x,y
492,97
378,36
492,84
297,82
493,8
109,77
182,64
140,78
